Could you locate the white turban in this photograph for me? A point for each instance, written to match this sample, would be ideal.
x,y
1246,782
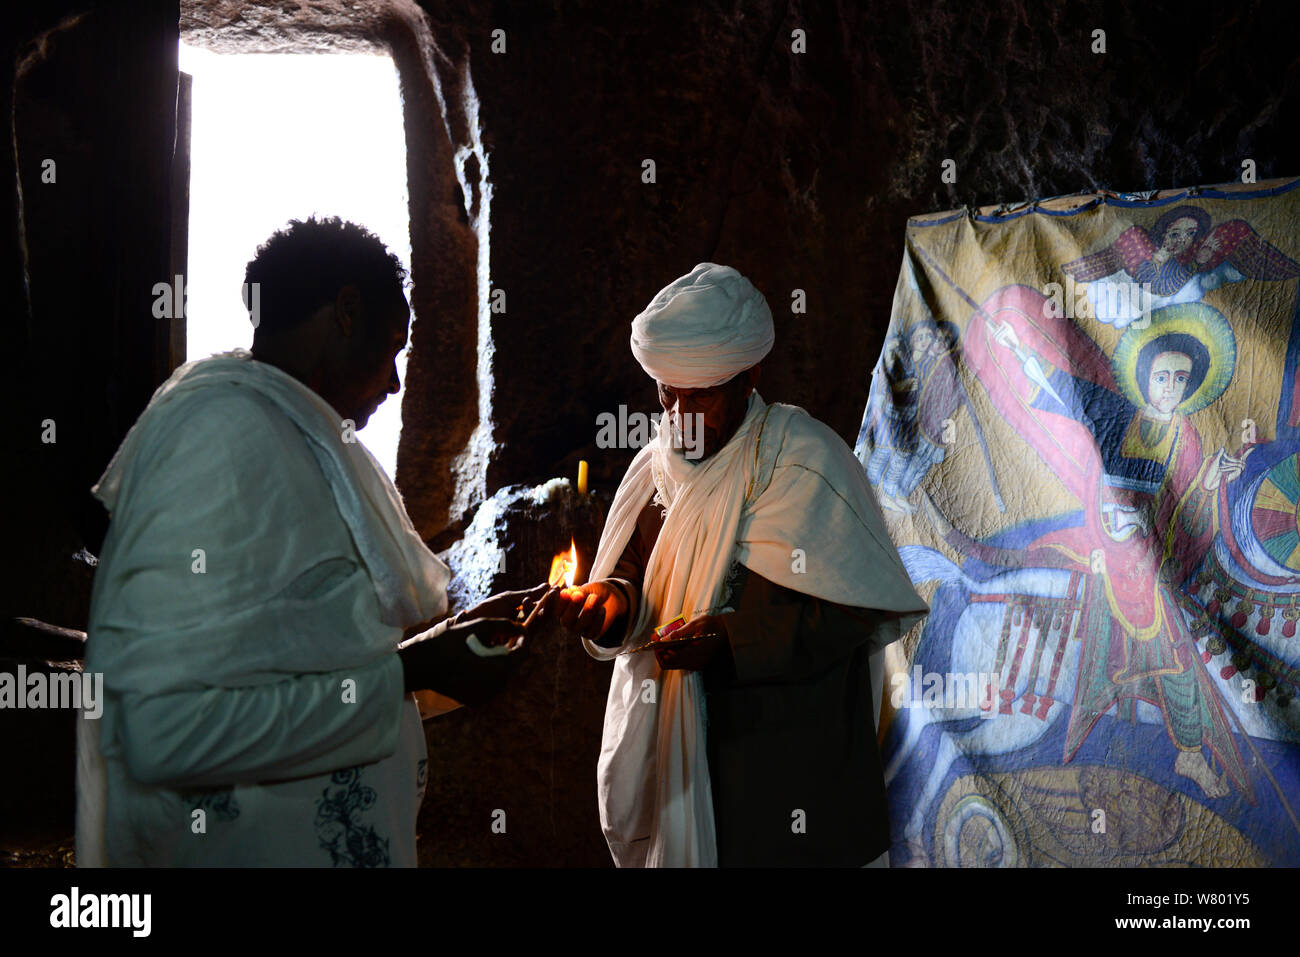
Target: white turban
x,y
703,329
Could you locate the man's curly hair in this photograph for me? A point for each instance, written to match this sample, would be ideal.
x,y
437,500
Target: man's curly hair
x,y
303,266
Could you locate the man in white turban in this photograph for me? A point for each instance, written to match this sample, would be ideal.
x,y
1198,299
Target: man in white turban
x,y
257,578
745,736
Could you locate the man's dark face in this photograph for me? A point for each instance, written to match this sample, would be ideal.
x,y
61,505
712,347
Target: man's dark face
x,y
721,409
370,373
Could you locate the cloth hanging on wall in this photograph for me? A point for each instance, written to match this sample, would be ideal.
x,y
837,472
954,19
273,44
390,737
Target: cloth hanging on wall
x,y
1084,432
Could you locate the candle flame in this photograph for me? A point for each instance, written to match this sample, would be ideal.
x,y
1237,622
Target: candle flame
x,y
564,567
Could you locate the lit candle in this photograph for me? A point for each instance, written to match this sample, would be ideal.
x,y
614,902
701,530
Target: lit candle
x,y
564,570
582,477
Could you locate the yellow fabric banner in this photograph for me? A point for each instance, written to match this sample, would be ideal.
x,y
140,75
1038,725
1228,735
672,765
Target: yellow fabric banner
x,y
1084,430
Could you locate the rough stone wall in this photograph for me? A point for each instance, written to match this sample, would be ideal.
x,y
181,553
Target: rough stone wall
x,y
530,753
94,91
798,168
801,169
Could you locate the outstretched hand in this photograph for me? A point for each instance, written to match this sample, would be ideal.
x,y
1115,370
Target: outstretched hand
x,y
1224,468
506,604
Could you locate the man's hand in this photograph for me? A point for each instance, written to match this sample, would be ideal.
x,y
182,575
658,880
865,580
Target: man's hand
x,y
446,664
505,604
587,610
692,646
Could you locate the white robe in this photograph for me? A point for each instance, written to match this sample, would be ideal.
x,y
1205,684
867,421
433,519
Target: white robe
x,y
257,576
787,499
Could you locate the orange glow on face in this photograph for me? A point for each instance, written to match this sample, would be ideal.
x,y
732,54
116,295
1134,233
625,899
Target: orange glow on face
x,y
564,567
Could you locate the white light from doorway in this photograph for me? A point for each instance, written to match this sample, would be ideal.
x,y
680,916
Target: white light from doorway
x,y
276,137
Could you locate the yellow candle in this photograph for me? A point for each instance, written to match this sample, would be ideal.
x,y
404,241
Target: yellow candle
x,y
582,477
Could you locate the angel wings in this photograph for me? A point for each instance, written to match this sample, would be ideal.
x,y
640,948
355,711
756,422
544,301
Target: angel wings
x,y
1178,259
1233,241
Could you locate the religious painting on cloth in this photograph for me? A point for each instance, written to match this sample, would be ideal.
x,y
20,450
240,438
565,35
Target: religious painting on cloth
x,y
1084,432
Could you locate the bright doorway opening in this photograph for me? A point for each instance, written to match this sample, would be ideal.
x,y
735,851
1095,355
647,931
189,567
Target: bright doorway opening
x,y
276,137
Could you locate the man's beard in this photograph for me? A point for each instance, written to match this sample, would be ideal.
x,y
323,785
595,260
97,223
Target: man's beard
x,y
696,441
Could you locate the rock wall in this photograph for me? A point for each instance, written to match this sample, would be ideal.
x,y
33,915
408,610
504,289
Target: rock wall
x,y
87,213
526,760
801,169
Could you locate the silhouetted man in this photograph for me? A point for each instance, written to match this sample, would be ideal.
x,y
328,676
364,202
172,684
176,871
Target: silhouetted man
x,y
258,575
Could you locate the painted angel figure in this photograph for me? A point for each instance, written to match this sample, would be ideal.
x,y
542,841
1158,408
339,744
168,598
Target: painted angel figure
x,y
1116,431
1179,259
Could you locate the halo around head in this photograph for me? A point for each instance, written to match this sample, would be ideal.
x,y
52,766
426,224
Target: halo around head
x,y
1196,319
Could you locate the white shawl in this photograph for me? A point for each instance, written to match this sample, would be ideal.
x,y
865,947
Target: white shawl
x,y
409,580
786,498
253,643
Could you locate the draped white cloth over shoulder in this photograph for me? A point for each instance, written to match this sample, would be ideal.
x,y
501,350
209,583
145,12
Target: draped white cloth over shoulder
x,y
410,582
307,569
784,481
